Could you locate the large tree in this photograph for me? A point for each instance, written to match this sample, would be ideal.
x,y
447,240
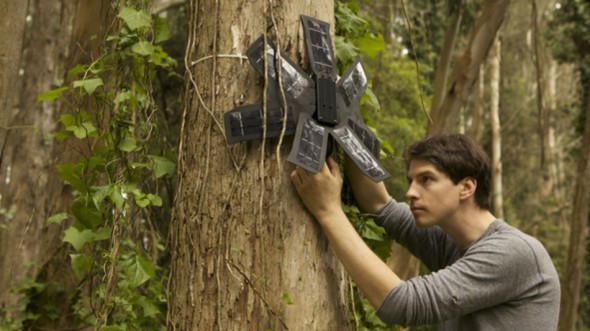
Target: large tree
x,y
245,253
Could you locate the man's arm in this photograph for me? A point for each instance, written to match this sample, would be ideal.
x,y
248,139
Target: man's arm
x,y
370,196
321,195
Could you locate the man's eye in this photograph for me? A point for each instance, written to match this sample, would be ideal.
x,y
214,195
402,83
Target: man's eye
x,y
426,179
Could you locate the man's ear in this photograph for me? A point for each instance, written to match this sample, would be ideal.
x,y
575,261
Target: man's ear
x,y
468,184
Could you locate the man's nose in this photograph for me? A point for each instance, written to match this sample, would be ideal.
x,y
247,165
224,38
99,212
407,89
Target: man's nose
x,y
411,194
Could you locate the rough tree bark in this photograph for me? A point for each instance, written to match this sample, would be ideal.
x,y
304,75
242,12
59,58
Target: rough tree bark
x,y
245,253
61,36
465,70
26,163
11,29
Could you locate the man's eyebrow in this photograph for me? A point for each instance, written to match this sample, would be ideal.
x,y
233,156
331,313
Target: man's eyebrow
x,y
420,174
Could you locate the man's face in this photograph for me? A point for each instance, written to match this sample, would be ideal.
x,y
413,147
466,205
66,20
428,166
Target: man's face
x,y
432,196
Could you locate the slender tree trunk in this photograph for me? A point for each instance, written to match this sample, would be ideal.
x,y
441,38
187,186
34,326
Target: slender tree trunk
x,y
495,59
245,253
27,166
444,60
479,105
61,36
571,284
12,27
466,69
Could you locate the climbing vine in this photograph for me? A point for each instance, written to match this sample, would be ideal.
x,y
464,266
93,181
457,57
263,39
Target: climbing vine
x,y
354,37
119,176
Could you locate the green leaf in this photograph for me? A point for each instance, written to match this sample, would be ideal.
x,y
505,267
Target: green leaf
x,y
51,94
136,273
88,215
78,238
371,45
67,120
78,69
82,131
143,48
102,233
89,85
155,200
99,193
122,96
369,100
162,166
128,144
135,19
81,264
57,218
112,328
161,29
116,196
73,174
149,309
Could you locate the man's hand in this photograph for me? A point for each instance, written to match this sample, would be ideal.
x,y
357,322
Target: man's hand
x,y
320,192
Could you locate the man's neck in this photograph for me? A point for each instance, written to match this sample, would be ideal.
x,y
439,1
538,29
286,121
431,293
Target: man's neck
x,y
468,225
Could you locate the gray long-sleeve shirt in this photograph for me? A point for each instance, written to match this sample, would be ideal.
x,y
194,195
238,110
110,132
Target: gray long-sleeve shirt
x,y
503,281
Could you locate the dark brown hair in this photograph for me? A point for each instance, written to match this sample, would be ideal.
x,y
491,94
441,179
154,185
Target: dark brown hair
x,y
459,157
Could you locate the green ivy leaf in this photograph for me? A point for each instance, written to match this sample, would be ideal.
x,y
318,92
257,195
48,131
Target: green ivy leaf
x,y
82,131
89,85
161,166
136,273
155,200
135,19
116,196
371,45
51,94
128,144
161,29
57,218
112,328
67,120
81,264
149,309
78,238
87,214
73,174
143,48
102,233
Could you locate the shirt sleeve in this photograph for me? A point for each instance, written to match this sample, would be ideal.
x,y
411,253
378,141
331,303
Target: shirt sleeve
x,y
492,272
432,246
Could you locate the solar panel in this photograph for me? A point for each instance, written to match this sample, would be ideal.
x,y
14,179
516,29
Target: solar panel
x,y
357,151
310,144
245,123
321,112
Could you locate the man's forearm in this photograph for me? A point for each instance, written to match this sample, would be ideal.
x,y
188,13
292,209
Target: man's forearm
x,y
370,196
373,277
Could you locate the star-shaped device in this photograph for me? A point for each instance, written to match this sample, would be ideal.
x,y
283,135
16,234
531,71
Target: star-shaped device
x,y
319,107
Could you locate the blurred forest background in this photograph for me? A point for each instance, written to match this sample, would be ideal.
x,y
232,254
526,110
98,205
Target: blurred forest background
x,y
103,111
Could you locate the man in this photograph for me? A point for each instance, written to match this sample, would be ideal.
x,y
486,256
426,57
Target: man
x,y
486,275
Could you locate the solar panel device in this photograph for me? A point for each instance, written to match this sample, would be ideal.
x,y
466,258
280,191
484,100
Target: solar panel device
x,y
321,109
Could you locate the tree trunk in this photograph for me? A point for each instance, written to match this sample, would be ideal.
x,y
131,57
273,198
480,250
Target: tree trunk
x,y
27,166
11,29
466,69
497,201
61,36
444,60
479,105
245,253
571,284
